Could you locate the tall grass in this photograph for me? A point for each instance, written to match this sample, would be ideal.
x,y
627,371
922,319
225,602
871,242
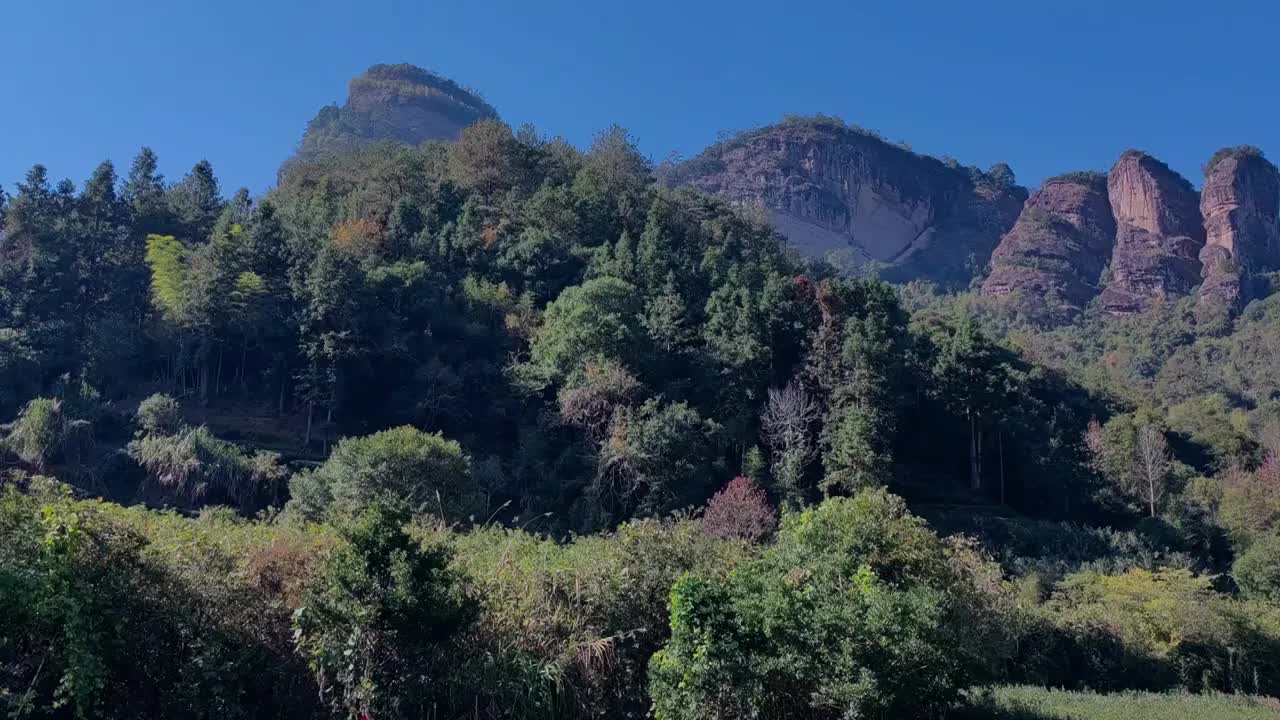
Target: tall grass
x,y
1032,703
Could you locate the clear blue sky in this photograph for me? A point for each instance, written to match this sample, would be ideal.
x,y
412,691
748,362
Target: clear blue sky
x,y
1045,86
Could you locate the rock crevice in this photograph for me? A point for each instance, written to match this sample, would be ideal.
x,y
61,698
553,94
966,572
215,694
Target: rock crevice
x,y
1240,202
1159,234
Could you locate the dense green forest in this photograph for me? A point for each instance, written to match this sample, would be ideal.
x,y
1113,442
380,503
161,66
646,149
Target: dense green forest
x,y
504,429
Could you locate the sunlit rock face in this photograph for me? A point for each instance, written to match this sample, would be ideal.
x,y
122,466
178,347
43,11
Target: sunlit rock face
x,y
831,188
1055,254
1240,203
1159,234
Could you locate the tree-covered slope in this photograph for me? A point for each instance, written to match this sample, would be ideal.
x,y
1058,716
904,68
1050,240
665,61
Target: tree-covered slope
x,y
502,428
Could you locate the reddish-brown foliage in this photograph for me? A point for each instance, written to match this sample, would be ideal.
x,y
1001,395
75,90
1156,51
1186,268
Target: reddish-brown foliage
x,y
741,511
282,568
361,237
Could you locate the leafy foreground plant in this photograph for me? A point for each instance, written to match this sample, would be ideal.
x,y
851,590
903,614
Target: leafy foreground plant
x,y
108,612
376,624
858,611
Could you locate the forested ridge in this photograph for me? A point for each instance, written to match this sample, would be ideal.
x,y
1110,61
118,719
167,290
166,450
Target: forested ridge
x,y
502,428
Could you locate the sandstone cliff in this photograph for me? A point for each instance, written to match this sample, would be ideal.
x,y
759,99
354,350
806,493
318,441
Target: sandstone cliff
x,y
1159,234
1052,259
1240,202
402,103
831,187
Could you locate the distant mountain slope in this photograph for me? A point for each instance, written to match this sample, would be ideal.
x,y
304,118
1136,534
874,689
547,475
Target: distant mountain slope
x,y
403,103
830,187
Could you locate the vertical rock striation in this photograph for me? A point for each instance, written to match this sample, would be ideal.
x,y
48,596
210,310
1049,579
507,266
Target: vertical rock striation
x,y
1241,207
1159,234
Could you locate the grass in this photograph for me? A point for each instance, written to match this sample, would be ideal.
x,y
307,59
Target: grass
x,y
1030,703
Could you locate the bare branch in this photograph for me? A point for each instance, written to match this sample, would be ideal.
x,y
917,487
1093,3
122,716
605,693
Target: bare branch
x,y
1153,465
788,420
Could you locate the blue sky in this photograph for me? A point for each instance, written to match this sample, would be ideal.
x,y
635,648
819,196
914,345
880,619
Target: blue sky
x,y
1045,86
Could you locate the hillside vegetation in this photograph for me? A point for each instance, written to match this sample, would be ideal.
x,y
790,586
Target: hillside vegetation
x,y
504,429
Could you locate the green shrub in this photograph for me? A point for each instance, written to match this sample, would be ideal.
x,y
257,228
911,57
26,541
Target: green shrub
x,y
403,464
194,466
582,617
115,613
1250,505
377,623
1153,631
858,610
1053,550
1257,569
45,433
158,414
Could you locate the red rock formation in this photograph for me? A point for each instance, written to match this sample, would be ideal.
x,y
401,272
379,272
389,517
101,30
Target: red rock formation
x,y
1051,260
1159,234
828,186
1241,207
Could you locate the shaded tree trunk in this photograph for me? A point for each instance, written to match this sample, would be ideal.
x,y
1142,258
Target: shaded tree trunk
x,y
217,378
204,382
1000,438
975,468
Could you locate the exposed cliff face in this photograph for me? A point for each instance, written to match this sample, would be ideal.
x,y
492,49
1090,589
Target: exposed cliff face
x,y
829,187
1241,204
1159,234
402,103
1053,257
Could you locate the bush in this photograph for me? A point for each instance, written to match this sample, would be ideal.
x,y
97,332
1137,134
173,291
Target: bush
x,y
108,612
858,610
196,467
402,464
1051,551
1257,570
45,433
578,620
659,458
158,414
1152,631
376,625
741,511
1250,505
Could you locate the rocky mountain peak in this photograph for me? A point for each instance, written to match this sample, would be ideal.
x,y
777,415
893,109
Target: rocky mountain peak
x,y
1053,257
1159,233
836,188
1240,202
401,103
